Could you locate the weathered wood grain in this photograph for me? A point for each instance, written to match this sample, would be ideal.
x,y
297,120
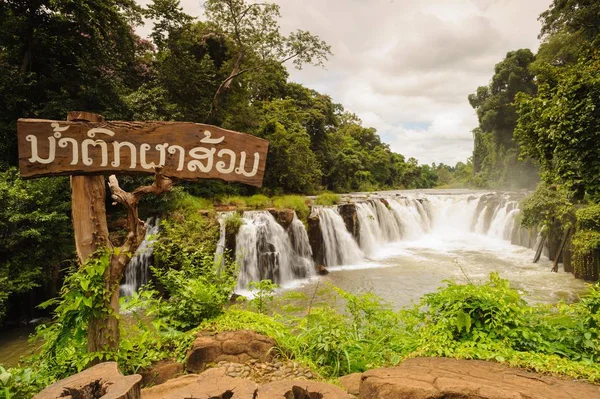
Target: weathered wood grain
x,y
186,151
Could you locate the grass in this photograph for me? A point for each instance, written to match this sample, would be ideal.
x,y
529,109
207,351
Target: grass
x,y
258,201
295,202
327,199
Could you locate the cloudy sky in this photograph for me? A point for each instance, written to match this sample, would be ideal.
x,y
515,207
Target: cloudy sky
x,y
406,67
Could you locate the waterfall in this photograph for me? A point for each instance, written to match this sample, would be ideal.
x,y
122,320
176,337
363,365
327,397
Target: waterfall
x,y
265,250
136,273
268,250
339,246
220,251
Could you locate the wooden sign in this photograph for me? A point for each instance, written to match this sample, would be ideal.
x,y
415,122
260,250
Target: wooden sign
x,y
184,150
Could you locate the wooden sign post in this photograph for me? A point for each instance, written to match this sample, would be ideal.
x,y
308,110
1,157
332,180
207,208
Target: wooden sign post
x,y
86,147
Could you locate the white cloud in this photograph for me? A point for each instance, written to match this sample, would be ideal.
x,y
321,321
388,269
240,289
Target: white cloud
x,y
406,67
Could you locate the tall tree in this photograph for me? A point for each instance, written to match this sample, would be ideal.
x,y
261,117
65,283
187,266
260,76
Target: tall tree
x,y
257,41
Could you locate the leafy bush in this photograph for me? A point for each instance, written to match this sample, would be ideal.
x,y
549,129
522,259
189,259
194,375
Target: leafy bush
x,y
327,199
263,292
185,238
295,202
546,204
195,293
589,218
258,201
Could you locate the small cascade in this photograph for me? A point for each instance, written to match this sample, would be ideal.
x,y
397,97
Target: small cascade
x,y
265,250
371,235
136,273
339,245
220,251
411,216
390,225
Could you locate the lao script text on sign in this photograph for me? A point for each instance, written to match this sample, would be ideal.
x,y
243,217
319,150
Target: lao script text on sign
x,y
184,150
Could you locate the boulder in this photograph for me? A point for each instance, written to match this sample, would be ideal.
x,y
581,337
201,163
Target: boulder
x,y
103,381
351,383
434,378
230,346
299,389
160,372
284,217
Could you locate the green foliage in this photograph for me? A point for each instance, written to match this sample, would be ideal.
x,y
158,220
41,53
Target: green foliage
x,y
495,158
237,201
262,294
35,232
233,222
545,205
566,106
185,239
295,202
258,201
489,321
195,293
588,218
327,199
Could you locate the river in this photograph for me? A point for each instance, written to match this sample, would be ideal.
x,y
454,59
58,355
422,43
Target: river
x,y
407,248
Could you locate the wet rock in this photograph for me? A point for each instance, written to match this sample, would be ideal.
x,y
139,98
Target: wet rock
x,y
101,381
351,383
322,270
348,213
434,378
231,346
284,217
160,372
298,389
315,237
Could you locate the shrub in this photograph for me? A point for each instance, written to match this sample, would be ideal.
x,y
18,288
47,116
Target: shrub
x,y
258,201
185,238
295,202
545,205
327,199
589,218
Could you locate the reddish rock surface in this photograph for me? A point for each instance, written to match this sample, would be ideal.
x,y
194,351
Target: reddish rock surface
x,y
161,372
435,378
214,384
162,390
101,381
351,383
288,389
231,346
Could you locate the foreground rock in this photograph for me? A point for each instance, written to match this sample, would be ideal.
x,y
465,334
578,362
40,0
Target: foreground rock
x,y
213,383
102,381
160,372
300,390
267,372
435,378
231,346
351,383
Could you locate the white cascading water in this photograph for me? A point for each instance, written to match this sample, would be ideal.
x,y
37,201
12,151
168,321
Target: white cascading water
x,y
136,273
340,248
265,250
220,251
